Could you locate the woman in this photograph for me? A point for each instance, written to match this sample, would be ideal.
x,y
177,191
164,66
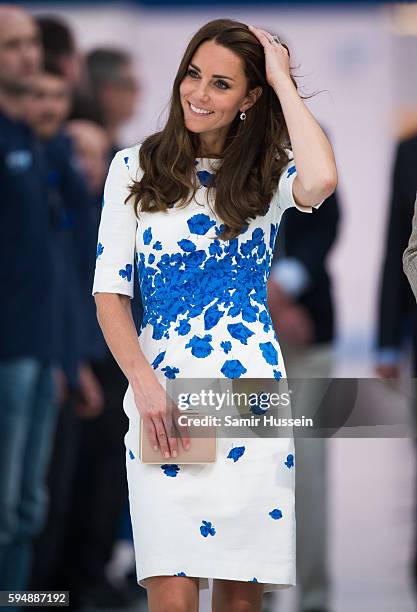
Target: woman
x,y
203,260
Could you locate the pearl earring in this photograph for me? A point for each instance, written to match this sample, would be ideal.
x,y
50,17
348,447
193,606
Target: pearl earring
x,y
242,116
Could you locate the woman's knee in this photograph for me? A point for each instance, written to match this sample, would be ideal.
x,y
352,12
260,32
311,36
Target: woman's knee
x,y
235,596
172,594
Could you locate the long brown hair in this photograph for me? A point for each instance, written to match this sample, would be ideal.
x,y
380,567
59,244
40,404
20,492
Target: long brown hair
x,y
254,152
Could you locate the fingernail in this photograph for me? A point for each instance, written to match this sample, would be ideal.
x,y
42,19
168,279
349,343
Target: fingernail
x,y
174,453
166,455
155,448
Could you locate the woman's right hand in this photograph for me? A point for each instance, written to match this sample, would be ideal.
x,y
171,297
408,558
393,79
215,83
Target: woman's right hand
x,y
160,417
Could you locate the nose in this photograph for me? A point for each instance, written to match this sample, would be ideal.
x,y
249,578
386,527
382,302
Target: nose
x,y
202,91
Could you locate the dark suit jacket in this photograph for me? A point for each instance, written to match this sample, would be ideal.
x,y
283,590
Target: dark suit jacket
x,y
309,239
397,306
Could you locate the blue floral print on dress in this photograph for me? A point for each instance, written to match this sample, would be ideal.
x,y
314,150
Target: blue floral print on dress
x,y
233,368
235,453
200,347
170,469
226,345
158,359
291,171
187,245
147,236
100,250
212,316
269,352
206,178
290,461
126,272
240,332
200,224
207,529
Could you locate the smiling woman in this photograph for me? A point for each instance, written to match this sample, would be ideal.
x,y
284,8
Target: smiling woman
x,y
198,206
221,106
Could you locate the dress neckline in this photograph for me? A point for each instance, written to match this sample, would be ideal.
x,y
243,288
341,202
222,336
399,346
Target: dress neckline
x,y
207,163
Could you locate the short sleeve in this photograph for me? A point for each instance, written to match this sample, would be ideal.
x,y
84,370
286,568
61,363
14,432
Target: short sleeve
x,y
284,197
115,257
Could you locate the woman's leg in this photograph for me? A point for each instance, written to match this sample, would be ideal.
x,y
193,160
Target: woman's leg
x,y
236,596
172,594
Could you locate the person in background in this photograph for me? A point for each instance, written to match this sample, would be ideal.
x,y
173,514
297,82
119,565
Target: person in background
x,y
28,408
75,547
410,255
114,86
90,532
302,310
397,308
46,108
397,312
62,56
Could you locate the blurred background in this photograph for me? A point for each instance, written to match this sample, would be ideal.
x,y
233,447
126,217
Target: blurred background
x,y
104,82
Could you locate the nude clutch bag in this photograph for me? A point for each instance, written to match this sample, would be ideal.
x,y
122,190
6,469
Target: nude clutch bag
x,y
202,450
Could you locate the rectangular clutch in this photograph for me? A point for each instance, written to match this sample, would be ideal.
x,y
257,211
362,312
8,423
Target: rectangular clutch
x,y
202,450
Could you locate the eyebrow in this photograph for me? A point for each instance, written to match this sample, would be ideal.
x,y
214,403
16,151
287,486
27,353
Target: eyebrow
x,y
216,76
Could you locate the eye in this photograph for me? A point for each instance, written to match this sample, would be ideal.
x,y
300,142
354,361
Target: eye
x,y
223,84
192,73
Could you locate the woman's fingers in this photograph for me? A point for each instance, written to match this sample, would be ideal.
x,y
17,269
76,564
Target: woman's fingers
x,y
162,436
260,35
170,429
183,430
151,432
161,424
266,37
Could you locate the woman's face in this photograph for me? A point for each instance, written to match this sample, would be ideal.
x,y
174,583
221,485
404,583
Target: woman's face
x,y
214,90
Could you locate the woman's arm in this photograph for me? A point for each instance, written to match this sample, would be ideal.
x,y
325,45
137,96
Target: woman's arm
x,y
114,315
316,176
410,255
112,290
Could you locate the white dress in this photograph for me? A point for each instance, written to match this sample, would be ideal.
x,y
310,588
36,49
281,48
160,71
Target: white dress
x,y
205,315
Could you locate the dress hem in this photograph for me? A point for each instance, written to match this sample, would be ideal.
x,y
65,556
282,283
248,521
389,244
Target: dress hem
x,y
286,580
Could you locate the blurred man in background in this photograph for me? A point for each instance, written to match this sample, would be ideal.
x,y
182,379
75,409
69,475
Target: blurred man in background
x,y
47,105
115,87
77,544
27,389
397,311
302,309
92,532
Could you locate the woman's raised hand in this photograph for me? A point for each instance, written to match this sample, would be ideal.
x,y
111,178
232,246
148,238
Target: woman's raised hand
x,y
160,417
277,60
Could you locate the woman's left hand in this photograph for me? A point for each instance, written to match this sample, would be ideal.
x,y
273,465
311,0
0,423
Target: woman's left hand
x,y
277,61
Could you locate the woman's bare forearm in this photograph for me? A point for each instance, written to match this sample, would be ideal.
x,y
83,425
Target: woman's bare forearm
x,y
114,315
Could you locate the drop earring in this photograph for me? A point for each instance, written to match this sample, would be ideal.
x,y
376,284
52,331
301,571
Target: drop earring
x,y
242,116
